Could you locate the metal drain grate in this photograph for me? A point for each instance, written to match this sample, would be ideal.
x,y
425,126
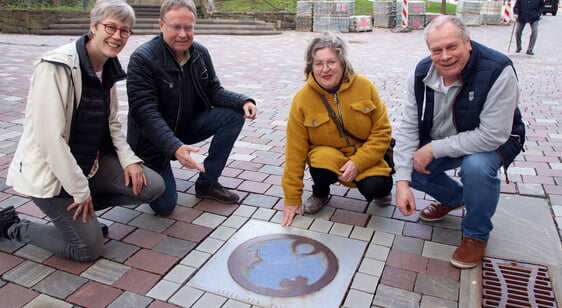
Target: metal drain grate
x,y
514,284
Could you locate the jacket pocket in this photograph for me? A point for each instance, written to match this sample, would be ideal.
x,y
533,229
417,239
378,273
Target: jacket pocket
x,y
316,119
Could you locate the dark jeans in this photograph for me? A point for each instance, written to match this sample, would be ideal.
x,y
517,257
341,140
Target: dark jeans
x,y
74,239
224,125
371,187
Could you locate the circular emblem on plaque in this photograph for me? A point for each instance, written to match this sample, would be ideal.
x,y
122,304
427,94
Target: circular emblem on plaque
x,y
282,265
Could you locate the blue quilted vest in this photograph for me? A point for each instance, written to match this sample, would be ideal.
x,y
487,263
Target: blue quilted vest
x,y
480,73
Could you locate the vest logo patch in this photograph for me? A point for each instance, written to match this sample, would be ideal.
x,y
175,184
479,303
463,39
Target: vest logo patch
x,y
470,96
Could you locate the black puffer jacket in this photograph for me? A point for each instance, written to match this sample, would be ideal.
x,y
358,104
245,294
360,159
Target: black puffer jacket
x,y
155,92
528,10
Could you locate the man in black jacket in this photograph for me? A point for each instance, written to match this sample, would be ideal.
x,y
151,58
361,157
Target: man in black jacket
x,y
175,99
527,11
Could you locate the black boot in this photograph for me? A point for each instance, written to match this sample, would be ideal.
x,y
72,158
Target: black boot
x,y
104,229
8,217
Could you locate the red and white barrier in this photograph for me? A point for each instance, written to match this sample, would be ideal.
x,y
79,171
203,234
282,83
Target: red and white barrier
x,y
404,13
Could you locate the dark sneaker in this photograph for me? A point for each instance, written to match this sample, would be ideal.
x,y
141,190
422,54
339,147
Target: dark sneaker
x,y
437,211
530,53
518,50
8,217
215,191
469,254
313,204
104,229
384,201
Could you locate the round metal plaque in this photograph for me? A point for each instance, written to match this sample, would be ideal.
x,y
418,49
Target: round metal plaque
x,y
282,265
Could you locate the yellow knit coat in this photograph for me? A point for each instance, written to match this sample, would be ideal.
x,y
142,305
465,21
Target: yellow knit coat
x,y
313,138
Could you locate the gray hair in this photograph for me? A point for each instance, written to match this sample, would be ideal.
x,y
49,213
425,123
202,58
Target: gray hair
x,y
335,43
168,5
112,8
441,20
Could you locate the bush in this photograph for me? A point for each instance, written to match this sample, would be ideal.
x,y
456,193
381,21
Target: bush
x,y
45,4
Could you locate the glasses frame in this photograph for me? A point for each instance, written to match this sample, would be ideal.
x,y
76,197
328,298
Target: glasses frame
x,y
178,28
319,66
124,33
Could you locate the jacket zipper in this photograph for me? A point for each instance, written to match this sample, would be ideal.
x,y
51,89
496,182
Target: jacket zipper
x,y
341,118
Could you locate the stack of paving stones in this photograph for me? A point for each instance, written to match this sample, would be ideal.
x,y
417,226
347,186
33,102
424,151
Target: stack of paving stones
x,y
149,260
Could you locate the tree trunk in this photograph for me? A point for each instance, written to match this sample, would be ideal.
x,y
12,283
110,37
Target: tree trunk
x,y
443,7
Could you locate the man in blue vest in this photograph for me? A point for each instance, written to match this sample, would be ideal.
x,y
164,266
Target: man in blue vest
x,y
461,112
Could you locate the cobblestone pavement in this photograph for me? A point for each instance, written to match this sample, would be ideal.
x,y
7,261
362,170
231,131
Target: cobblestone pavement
x,y
149,260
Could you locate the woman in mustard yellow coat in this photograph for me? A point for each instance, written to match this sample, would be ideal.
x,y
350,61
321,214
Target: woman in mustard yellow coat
x,y
353,153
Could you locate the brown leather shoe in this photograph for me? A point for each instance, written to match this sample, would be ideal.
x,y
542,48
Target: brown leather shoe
x,y
469,254
215,191
437,211
313,204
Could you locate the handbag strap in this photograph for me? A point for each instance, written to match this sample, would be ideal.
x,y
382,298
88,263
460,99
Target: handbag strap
x,y
341,129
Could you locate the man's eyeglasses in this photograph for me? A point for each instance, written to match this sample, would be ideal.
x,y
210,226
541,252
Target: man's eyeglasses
x,y
124,33
178,28
318,66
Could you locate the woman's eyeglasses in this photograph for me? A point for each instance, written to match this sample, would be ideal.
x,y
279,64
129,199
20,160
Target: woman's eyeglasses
x,y
124,33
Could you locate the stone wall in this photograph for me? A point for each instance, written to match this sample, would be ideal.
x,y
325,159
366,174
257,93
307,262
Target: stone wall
x,y
281,20
29,21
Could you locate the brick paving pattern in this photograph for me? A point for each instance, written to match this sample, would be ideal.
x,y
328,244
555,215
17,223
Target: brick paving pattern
x,y
149,260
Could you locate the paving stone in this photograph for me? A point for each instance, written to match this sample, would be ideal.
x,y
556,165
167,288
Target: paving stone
x,y
531,189
163,290
144,238
60,284
398,278
245,211
119,251
258,200
371,267
383,238
391,297
174,247
118,231
152,261
302,222
235,222
438,251
408,261
196,258
443,269
447,236
180,273
137,281
383,211
210,245
350,217
235,304
94,294
209,300
263,214
121,214
222,233
186,296
320,225
377,252
128,299
408,244
67,265
386,225
341,229
8,261
437,286
209,220
418,230
434,302
28,273
215,207
105,271
365,283
362,234
358,299
46,301
189,232
13,295
151,222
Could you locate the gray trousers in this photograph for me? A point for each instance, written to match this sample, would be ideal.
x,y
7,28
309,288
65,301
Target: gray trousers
x,y
534,34
74,239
